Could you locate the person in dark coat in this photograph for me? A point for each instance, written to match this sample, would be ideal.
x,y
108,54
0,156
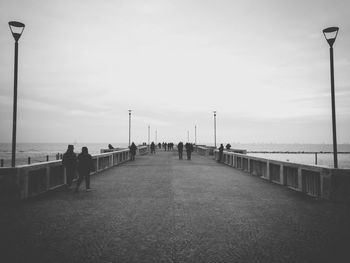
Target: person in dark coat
x,y
228,146
69,160
110,147
159,145
153,148
221,151
189,149
180,147
132,151
85,166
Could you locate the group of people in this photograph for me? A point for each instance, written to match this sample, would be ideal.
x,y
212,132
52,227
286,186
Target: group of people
x,y
82,163
188,147
221,150
166,146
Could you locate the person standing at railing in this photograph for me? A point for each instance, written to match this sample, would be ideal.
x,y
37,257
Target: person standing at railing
x,y
69,160
221,151
85,166
133,151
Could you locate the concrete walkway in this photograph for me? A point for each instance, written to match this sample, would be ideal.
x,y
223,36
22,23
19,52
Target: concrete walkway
x,y
160,209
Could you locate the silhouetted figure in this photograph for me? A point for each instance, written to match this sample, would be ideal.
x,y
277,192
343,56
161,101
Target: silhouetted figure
x,y
180,147
228,146
159,145
110,147
85,166
69,160
132,151
189,149
221,150
165,146
153,148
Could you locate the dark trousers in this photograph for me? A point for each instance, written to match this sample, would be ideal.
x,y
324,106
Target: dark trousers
x,y
132,158
83,175
188,155
70,174
180,155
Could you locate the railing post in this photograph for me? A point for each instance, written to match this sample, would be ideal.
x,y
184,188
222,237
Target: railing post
x,y
28,160
97,164
282,181
268,176
2,163
300,181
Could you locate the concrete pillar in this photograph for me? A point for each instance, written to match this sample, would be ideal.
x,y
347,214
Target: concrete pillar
x,y
300,180
97,164
282,181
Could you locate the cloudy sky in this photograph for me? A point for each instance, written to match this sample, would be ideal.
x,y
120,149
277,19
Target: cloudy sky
x,y
262,65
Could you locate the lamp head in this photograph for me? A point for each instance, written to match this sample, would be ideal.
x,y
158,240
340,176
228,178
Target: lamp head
x,y
330,34
16,29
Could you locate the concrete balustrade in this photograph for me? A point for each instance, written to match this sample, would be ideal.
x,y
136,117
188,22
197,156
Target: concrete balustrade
x,y
30,180
204,150
320,182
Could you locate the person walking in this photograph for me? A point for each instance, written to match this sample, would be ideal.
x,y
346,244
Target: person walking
x,y
69,161
85,166
221,151
133,151
180,147
189,150
153,148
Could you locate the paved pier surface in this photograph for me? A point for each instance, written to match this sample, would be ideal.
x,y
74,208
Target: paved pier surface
x,y
161,209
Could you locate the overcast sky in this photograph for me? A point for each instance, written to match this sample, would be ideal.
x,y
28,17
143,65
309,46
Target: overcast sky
x,y
263,65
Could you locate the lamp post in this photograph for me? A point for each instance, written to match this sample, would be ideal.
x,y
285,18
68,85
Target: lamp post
x,y
214,128
16,30
130,126
330,34
195,134
149,130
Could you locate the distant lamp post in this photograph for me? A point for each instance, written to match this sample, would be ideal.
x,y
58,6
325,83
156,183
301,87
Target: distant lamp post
x,y
16,30
130,127
195,134
330,34
214,128
149,134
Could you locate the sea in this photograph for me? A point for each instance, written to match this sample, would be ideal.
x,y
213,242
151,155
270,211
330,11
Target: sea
x,y
38,152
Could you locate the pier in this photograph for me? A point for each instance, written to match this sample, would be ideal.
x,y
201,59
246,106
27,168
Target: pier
x,y
162,209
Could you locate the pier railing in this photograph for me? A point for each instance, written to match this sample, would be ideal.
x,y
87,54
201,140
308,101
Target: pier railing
x,y
321,182
26,181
